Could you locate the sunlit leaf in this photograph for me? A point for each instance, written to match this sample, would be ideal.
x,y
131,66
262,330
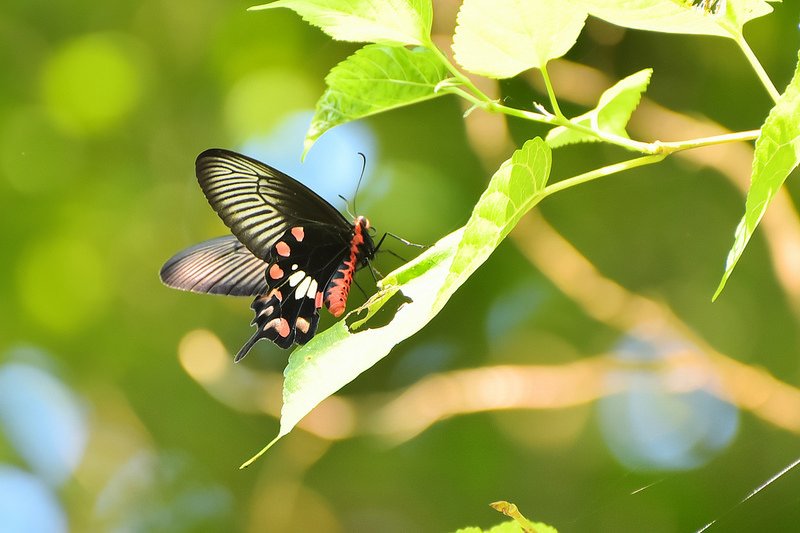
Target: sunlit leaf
x,y
611,115
337,356
376,78
501,38
371,21
514,189
677,16
777,153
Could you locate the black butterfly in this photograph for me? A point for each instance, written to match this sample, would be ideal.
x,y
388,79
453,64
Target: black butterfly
x,y
290,248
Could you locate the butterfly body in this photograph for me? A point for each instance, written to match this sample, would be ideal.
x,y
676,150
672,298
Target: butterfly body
x,y
290,248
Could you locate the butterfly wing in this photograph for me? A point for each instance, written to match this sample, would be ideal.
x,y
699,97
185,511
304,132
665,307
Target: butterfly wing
x,y
304,261
287,245
259,203
217,266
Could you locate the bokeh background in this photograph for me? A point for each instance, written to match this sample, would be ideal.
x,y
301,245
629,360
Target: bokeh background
x,y
582,373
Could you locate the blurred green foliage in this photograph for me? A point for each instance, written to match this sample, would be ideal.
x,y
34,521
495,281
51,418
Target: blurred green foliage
x,y
103,108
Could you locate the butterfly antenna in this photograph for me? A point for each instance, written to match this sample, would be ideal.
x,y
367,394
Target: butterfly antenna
x,y
361,177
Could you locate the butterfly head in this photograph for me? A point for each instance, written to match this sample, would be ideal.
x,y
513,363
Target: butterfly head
x,y
363,222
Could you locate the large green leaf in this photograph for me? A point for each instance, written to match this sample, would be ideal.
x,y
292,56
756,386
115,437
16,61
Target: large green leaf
x,y
371,21
514,189
338,355
611,115
677,16
777,153
501,38
375,79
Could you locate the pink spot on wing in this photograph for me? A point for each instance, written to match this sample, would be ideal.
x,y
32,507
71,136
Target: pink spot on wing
x,y
318,300
302,324
298,233
280,325
275,272
283,328
283,249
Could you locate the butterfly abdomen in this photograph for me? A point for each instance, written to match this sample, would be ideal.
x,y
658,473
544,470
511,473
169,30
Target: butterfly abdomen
x,y
338,288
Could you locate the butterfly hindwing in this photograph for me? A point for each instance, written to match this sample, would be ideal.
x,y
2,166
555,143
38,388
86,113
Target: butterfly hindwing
x,y
216,266
304,261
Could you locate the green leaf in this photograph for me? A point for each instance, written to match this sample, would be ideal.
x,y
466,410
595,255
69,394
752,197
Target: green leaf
x,y
511,526
739,12
514,189
677,16
372,21
375,79
777,153
501,38
611,115
337,356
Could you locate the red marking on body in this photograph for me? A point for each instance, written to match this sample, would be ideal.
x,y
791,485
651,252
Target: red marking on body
x,y
318,300
339,287
283,249
298,233
275,272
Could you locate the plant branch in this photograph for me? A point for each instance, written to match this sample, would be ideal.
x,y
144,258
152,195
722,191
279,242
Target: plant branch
x,y
457,74
678,146
550,93
601,172
760,72
478,98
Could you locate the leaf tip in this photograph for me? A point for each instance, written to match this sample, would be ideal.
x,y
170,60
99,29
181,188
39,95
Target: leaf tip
x,y
720,287
260,453
307,144
260,7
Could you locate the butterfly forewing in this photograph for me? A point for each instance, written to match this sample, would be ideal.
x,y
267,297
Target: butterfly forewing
x,y
259,203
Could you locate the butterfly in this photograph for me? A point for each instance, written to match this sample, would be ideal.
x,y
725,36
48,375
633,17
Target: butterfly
x,y
289,248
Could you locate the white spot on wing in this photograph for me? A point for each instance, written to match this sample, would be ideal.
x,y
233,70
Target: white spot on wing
x,y
302,288
312,289
296,278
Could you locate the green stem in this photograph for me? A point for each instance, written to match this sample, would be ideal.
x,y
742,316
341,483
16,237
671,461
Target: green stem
x,y
553,120
678,146
602,172
457,74
464,94
760,72
479,99
550,93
